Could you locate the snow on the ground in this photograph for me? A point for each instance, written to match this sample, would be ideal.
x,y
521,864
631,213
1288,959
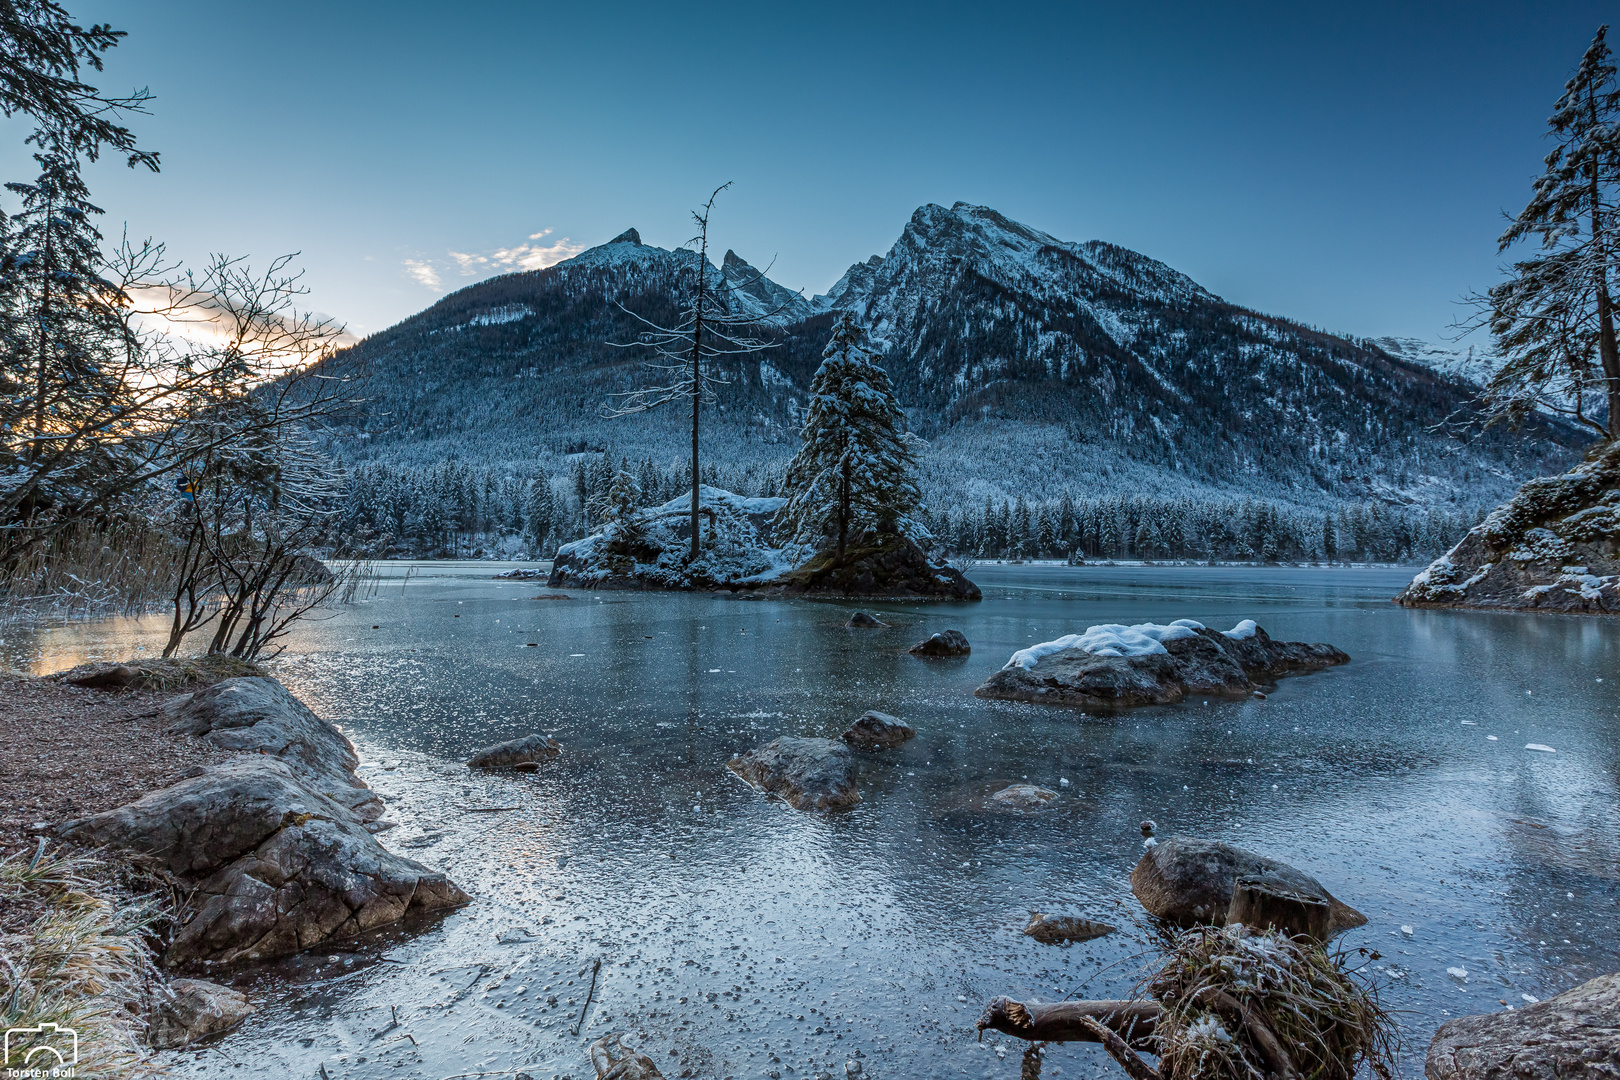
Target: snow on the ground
x,y
1242,631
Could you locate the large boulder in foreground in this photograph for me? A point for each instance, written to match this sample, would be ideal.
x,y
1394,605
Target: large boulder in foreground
x,y
808,774
884,565
1555,546
1190,882
649,550
1574,1036
260,715
1115,666
276,866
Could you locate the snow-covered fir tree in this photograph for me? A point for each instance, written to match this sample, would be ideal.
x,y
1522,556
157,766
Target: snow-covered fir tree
x,y
856,469
539,511
1554,318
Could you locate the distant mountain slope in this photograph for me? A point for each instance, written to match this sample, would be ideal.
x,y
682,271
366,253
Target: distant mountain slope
x,y
1472,363
1033,366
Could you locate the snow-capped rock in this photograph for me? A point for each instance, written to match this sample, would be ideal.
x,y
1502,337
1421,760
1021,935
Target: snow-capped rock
x,y
649,551
1554,547
1114,667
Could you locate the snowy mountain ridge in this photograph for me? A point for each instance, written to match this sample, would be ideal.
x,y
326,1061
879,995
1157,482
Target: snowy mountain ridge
x,y
1032,365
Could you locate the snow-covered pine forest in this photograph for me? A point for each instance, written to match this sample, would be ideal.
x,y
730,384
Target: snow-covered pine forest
x,y
1072,397
453,510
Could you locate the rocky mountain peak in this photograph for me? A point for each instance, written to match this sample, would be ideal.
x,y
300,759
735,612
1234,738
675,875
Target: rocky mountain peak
x,y
629,236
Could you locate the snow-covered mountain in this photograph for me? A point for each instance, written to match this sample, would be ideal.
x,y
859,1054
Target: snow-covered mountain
x,y
1032,365
1472,363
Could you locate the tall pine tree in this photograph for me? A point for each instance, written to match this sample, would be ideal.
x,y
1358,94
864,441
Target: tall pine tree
x,y
856,469
68,352
1554,318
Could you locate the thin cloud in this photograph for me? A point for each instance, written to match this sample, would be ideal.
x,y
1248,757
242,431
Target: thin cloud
x,y
424,273
529,255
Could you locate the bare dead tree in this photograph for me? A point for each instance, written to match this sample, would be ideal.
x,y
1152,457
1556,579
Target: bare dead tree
x,y
686,354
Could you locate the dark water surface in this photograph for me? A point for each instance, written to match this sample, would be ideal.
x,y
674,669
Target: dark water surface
x,y
737,938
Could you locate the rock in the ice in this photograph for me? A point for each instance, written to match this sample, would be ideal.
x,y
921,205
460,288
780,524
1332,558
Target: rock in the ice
x,y
1555,546
275,865
1024,797
259,714
1574,1036
1057,929
878,731
1114,666
862,621
808,774
525,754
944,643
1189,882
194,1009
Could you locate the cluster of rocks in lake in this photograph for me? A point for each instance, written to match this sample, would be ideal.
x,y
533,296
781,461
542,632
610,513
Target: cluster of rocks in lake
x,y
275,845
1115,667
1555,546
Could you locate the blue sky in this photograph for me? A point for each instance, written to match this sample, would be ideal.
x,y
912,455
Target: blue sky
x,y
1345,165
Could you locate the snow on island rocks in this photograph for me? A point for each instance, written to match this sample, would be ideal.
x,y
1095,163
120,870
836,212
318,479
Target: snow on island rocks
x,y
1554,547
648,549
1111,639
1114,666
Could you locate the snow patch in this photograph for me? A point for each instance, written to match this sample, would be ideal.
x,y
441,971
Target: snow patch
x,y
1243,631
1112,639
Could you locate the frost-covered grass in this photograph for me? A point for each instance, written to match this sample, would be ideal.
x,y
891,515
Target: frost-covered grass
x,y
71,955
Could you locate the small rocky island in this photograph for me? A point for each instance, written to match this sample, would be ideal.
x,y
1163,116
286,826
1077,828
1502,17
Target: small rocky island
x,y
1554,547
648,550
1116,667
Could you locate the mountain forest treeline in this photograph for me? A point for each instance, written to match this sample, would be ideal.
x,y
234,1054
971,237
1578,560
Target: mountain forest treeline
x,y
456,510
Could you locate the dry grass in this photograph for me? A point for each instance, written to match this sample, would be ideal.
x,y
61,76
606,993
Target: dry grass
x,y
79,963
1234,1001
126,568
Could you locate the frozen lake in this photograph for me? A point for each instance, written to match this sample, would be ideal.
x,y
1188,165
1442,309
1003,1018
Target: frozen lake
x,y
737,938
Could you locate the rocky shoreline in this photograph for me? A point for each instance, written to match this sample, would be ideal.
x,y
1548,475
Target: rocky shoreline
x,y
1554,547
262,825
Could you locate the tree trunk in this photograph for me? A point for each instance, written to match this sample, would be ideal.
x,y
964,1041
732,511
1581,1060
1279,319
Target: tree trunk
x,y
44,343
1067,1021
1608,352
1260,906
697,381
843,509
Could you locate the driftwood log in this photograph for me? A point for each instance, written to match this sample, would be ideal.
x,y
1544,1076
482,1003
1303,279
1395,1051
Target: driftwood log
x,y
1073,1021
613,1060
1260,905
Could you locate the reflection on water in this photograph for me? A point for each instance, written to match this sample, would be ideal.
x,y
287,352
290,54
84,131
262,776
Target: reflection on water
x,y
738,938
